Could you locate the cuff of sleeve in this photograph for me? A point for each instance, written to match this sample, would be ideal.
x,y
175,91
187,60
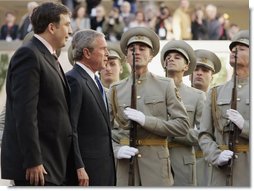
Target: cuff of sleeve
x,y
244,130
150,123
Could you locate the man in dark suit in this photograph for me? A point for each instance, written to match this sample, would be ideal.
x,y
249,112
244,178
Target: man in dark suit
x,y
89,109
37,137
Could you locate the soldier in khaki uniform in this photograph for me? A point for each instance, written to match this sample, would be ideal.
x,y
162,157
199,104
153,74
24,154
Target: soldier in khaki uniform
x,y
178,60
213,138
160,113
207,64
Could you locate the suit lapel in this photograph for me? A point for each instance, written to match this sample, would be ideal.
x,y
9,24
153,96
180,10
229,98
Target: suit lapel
x,y
52,62
94,90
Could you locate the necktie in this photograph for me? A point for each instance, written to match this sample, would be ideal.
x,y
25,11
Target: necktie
x,y
59,68
99,84
101,90
58,63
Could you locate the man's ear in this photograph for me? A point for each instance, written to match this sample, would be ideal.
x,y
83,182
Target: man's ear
x,y
51,28
86,52
186,67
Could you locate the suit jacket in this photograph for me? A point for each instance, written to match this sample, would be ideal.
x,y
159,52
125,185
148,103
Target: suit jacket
x,y
92,130
37,128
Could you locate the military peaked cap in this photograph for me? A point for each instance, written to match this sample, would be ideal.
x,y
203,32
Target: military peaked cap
x,y
183,48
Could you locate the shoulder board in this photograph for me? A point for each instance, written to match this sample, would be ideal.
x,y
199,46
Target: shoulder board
x,y
161,77
118,82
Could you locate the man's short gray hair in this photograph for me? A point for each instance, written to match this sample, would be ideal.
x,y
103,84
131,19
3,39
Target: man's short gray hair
x,y
83,39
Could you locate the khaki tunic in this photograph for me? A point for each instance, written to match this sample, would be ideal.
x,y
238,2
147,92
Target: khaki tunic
x,y
182,153
203,168
211,137
165,116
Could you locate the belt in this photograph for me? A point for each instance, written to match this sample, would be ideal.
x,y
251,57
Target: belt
x,y
199,154
238,148
146,142
174,145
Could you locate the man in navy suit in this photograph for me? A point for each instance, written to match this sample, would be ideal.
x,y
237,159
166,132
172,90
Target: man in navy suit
x,y
37,137
89,109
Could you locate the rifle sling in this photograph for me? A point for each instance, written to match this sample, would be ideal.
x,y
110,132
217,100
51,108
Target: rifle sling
x,y
215,111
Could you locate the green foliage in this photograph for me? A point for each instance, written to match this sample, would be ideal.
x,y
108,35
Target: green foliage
x,y
4,61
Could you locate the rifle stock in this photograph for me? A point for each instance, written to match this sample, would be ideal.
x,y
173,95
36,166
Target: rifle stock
x,y
233,129
133,129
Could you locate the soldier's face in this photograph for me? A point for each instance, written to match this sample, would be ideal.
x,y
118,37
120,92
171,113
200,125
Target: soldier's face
x,y
112,71
175,62
242,56
202,78
143,54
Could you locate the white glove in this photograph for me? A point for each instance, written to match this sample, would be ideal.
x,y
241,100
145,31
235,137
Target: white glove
x,y
126,152
224,157
236,118
135,115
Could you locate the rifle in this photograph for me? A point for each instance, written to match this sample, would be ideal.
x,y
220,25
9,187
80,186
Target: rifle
x,y
233,129
166,69
133,129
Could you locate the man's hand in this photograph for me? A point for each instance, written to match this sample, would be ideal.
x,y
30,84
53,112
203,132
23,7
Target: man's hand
x,y
135,115
83,178
126,152
236,118
224,157
35,175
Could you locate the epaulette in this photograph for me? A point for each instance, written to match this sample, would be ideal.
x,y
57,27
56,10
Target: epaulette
x,y
118,82
196,90
161,77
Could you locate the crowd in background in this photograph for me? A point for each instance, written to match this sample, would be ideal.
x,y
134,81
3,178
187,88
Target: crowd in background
x,y
204,22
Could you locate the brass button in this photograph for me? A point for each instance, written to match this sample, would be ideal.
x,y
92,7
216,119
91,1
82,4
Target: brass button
x,y
138,97
139,142
139,156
